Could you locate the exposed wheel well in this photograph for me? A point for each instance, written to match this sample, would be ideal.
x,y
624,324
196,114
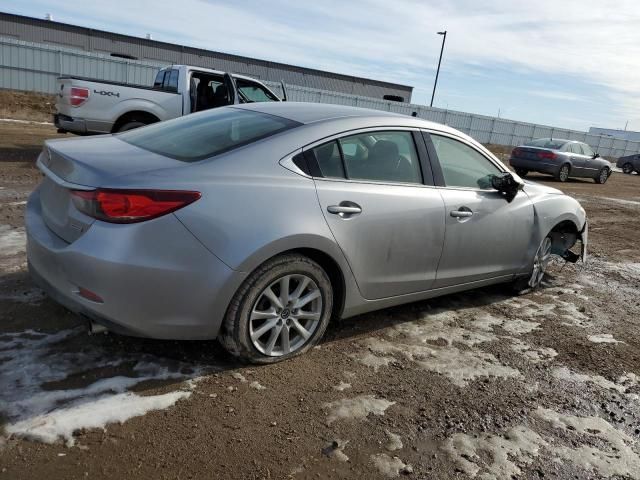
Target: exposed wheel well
x,y
563,237
335,275
134,116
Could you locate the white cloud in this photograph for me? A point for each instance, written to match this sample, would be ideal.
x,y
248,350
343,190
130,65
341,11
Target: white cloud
x,y
594,41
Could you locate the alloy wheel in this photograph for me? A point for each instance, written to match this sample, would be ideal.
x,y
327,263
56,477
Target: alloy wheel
x,y
564,173
285,315
540,263
627,168
604,174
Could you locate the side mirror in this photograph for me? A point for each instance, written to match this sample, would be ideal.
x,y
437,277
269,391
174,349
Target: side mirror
x,y
596,155
507,185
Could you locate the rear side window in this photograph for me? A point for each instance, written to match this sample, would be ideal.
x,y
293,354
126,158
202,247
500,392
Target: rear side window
x,y
378,156
206,134
329,160
157,83
462,166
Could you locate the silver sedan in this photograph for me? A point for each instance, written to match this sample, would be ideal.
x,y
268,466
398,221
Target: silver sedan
x,y
257,224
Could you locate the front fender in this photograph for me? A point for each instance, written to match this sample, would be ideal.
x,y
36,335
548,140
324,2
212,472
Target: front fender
x,y
550,210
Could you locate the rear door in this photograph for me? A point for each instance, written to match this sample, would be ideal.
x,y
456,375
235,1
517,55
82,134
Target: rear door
x,y
486,236
384,213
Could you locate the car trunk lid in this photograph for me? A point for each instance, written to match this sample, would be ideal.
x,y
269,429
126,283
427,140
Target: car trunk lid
x,y
86,164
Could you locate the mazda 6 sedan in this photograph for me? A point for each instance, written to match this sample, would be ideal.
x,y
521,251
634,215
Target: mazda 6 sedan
x,y
257,224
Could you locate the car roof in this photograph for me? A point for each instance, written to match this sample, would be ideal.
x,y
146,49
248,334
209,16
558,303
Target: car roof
x,y
306,113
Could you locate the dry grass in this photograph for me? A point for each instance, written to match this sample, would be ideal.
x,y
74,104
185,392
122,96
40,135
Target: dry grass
x,y
36,107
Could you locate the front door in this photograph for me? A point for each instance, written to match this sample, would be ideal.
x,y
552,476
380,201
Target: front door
x,y
389,225
486,236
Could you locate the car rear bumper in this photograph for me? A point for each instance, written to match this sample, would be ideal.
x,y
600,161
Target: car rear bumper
x,y
156,279
69,124
80,125
534,165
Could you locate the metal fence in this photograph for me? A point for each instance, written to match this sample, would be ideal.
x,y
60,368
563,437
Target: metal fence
x,y
35,67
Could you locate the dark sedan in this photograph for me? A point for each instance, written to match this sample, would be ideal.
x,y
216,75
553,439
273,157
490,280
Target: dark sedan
x,y
560,158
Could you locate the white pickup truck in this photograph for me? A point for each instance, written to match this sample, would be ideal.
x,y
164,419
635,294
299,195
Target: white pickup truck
x,y
86,106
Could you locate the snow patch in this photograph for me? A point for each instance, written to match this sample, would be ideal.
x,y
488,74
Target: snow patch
x,y
388,466
335,449
61,423
35,367
495,457
342,386
603,338
238,376
394,441
257,386
613,455
12,241
13,120
531,353
356,408
520,327
563,373
370,360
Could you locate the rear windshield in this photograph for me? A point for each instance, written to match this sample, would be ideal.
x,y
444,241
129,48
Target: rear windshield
x,y
546,143
206,134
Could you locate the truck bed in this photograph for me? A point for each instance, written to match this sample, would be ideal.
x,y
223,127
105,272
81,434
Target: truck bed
x,y
109,82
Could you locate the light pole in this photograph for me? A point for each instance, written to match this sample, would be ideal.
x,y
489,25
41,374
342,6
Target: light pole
x,y
444,38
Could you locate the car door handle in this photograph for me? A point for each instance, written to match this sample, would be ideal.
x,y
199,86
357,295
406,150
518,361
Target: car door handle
x,y
344,209
461,213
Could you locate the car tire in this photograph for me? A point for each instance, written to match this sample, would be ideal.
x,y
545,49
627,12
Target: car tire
x,y
261,327
538,269
563,173
131,126
522,172
627,168
603,175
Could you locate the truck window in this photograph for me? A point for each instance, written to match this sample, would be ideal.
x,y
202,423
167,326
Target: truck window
x,y
253,92
171,81
157,83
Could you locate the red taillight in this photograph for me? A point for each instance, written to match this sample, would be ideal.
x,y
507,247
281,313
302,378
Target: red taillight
x,y
546,155
78,96
130,206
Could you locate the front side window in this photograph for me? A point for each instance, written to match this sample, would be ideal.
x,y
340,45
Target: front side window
x,y
199,136
462,166
586,149
253,92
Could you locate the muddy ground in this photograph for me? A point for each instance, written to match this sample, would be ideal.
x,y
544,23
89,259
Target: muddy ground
x,y
477,385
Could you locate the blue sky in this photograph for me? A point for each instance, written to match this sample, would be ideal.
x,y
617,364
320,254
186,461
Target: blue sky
x,y
569,64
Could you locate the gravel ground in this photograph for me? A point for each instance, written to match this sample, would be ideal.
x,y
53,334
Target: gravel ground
x,y
476,385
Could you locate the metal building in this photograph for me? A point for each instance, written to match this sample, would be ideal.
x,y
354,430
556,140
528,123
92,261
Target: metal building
x,y
616,133
63,35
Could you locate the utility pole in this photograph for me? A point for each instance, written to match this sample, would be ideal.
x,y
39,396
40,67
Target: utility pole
x,y
444,38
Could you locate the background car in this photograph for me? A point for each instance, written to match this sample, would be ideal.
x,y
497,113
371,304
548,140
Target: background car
x,y
258,223
629,164
561,158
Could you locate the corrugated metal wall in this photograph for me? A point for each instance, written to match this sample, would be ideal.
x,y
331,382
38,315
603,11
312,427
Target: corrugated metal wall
x,y
63,35
34,67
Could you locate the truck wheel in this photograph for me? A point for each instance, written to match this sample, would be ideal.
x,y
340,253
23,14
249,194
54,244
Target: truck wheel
x,y
280,311
131,126
603,175
563,173
627,168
